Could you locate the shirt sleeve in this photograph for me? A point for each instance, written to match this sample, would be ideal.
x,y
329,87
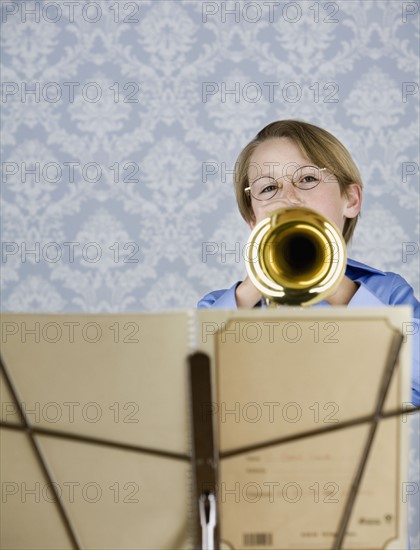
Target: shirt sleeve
x,y
221,299
402,293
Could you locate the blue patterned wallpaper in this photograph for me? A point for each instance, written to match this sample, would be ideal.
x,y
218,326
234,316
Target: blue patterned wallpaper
x,y
122,122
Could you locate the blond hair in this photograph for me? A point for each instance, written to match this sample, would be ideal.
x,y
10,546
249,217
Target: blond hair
x,y
317,145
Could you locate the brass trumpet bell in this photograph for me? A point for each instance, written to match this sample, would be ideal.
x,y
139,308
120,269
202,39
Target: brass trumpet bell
x,y
296,256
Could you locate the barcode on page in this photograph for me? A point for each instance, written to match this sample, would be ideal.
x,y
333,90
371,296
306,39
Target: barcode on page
x,y
258,539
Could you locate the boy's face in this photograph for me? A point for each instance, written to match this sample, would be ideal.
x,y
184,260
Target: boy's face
x,y
279,157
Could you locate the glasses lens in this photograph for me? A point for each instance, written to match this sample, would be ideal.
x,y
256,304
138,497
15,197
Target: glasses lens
x,y
264,189
307,177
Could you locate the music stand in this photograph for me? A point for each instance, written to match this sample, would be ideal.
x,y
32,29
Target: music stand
x,y
102,448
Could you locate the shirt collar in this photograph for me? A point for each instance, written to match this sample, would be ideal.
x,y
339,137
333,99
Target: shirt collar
x,y
352,265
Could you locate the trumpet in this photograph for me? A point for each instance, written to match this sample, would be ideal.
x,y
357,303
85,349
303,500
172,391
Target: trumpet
x,y
295,256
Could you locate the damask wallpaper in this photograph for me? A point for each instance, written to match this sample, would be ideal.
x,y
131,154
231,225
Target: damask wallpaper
x,y
122,122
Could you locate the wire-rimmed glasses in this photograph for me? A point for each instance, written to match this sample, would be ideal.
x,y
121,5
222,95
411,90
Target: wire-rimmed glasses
x,y
266,187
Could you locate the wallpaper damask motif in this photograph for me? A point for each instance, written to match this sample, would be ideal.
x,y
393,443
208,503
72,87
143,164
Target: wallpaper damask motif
x,y
122,122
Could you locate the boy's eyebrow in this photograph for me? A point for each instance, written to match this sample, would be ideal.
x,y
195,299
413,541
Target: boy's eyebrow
x,y
272,165
261,176
269,172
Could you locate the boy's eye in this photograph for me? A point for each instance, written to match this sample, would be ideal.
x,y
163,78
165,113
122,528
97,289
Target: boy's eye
x,y
269,188
264,186
308,179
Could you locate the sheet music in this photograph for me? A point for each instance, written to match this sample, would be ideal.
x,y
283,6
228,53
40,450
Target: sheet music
x,y
282,378
120,452
113,380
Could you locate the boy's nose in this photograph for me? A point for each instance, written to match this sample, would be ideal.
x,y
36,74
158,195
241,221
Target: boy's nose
x,y
289,193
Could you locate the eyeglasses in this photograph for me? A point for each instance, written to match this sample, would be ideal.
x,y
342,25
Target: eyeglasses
x,y
266,187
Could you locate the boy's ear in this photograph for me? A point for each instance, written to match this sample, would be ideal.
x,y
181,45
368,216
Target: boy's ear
x,y
353,200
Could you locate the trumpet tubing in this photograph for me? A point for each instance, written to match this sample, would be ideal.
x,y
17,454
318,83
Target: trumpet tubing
x,y
296,256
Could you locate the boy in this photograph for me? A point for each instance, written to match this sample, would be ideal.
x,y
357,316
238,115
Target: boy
x,y
270,175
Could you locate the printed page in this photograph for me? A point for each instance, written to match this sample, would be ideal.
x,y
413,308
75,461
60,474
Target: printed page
x,y
110,393
286,382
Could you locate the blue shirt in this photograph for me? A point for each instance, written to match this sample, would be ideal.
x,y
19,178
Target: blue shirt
x,y
377,288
